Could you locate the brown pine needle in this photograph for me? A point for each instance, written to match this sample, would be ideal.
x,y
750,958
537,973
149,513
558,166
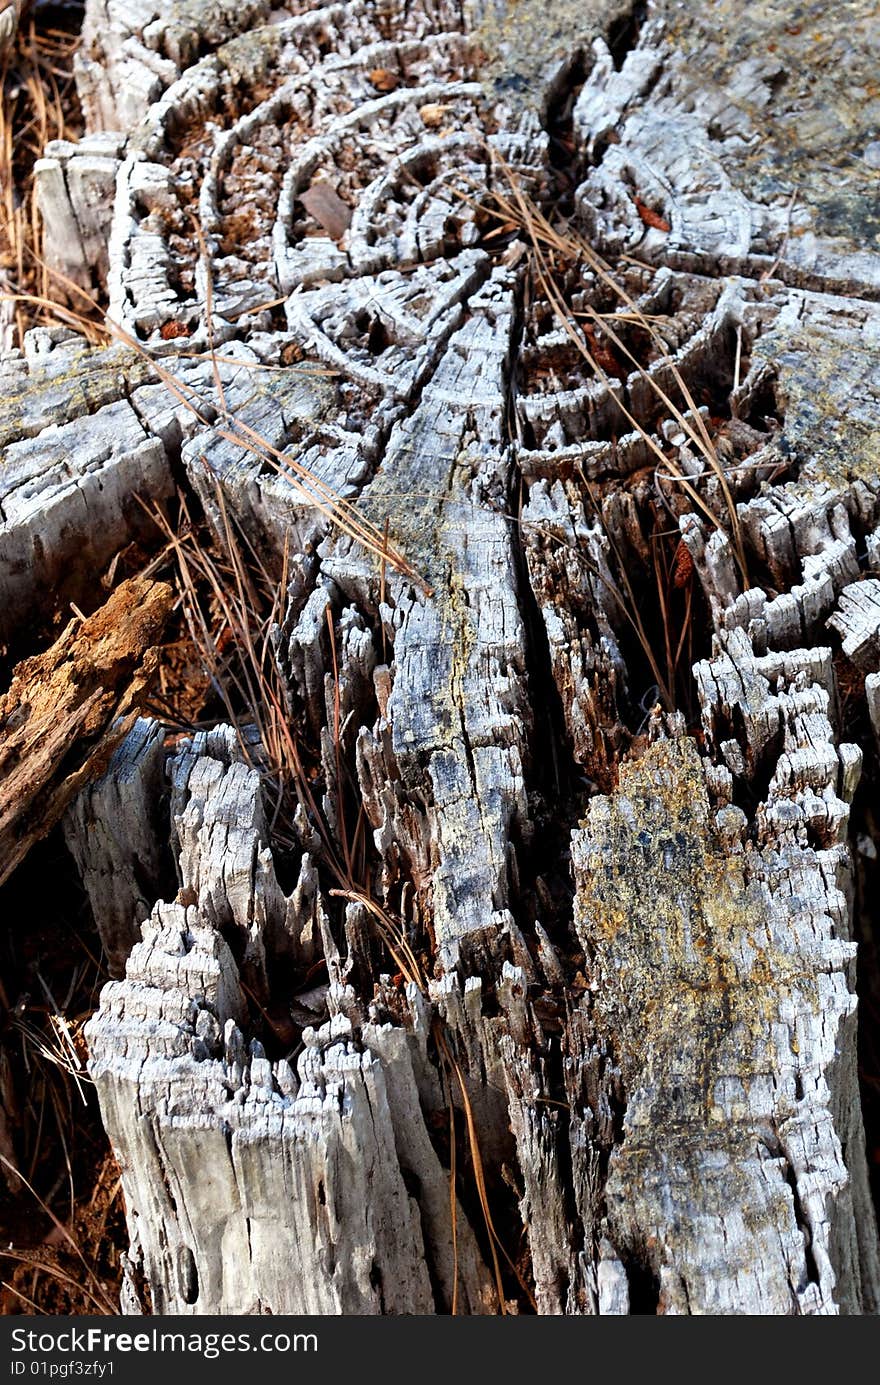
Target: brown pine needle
x,y
453,1205
520,210
100,1299
339,511
242,592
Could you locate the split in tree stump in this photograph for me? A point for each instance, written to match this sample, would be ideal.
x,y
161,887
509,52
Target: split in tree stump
x,y
578,304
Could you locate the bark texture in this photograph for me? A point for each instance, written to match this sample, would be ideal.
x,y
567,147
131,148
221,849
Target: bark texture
x,y
634,921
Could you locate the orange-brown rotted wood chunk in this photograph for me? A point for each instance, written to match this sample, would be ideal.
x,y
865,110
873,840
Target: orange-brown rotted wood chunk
x,y
68,708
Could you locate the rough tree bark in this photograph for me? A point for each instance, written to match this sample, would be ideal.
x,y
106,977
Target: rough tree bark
x,y
635,920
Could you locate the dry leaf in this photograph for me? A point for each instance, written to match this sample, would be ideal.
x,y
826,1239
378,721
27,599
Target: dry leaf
x,y
383,80
326,206
682,567
434,114
650,217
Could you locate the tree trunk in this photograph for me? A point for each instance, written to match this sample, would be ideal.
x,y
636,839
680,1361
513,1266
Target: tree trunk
x,y
604,1061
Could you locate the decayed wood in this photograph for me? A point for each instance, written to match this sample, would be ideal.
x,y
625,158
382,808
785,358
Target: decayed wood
x,y
87,448
75,187
114,829
130,53
66,710
10,16
74,458
635,931
857,621
346,1125
721,980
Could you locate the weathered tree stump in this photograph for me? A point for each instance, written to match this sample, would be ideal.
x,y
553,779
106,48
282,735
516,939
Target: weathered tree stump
x,y
624,866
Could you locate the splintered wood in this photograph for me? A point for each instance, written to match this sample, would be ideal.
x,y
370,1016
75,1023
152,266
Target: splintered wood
x,y
544,996
67,710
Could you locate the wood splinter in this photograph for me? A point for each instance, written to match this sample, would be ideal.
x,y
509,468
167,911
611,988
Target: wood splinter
x,y
68,708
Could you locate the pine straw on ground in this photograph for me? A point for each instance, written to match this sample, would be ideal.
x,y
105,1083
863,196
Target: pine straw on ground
x,y
61,1217
38,104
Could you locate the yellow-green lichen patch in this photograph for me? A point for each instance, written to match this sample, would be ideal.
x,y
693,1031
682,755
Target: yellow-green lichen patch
x,y
462,637
828,391
524,39
410,500
73,382
806,77
710,978
687,972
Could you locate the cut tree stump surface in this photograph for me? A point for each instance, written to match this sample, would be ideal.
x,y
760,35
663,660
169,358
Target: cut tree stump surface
x,y
636,920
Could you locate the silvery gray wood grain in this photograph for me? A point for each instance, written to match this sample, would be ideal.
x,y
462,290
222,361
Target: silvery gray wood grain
x,y
676,1112
115,832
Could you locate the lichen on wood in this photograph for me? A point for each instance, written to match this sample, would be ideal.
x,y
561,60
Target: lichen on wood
x,y
601,953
